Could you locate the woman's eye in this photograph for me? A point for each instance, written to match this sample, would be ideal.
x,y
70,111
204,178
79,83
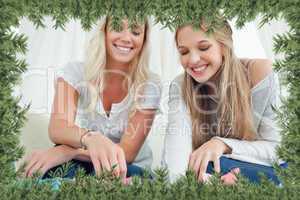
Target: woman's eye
x,y
136,33
183,53
204,48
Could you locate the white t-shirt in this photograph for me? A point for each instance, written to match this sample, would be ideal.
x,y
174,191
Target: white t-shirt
x,y
114,125
178,140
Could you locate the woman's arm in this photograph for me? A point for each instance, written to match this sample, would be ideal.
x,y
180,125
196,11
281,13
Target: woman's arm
x,y
139,124
102,152
43,160
82,154
263,149
178,138
62,129
136,132
134,136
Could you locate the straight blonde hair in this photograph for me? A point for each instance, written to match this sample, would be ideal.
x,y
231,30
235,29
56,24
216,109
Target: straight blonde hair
x,y
233,111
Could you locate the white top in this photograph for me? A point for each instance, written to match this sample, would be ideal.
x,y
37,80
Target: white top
x,y
114,125
178,140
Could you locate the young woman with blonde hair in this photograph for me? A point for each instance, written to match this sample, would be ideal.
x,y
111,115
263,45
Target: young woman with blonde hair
x,y
104,108
221,115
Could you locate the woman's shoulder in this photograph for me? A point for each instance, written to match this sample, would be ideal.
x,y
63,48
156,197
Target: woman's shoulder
x,y
258,70
72,73
178,80
265,84
176,84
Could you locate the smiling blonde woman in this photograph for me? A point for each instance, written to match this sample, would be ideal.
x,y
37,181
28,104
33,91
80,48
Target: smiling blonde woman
x,y
104,108
221,115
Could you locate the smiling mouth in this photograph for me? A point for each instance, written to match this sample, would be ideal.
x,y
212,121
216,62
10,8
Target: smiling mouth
x,y
123,49
199,69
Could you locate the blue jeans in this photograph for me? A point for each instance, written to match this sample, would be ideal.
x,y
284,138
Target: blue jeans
x,y
248,170
132,170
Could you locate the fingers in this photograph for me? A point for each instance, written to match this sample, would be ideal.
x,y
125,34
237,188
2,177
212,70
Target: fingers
x,y
96,163
203,167
206,178
195,162
105,164
42,160
39,166
34,169
106,155
113,160
217,166
32,164
44,169
236,171
199,161
230,178
115,164
122,164
29,166
199,165
192,160
196,166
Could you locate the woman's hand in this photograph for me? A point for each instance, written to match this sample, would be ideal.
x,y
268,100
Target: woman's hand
x,y
43,160
209,151
105,155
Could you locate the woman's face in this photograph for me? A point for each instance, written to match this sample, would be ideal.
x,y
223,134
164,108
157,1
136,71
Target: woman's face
x,y
122,47
201,56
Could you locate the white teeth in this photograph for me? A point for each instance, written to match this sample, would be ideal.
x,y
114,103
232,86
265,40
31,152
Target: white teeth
x,y
199,69
124,49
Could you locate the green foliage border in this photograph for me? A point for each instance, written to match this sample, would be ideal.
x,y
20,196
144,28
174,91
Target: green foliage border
x,y
170,13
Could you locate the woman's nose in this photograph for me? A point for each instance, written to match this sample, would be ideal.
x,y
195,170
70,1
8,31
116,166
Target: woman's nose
x,y
126,37
194,60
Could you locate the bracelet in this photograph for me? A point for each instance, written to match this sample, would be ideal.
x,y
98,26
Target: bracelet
x,y
83,146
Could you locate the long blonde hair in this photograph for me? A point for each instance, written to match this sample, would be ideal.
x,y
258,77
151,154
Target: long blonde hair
x,y
233,110
95,62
